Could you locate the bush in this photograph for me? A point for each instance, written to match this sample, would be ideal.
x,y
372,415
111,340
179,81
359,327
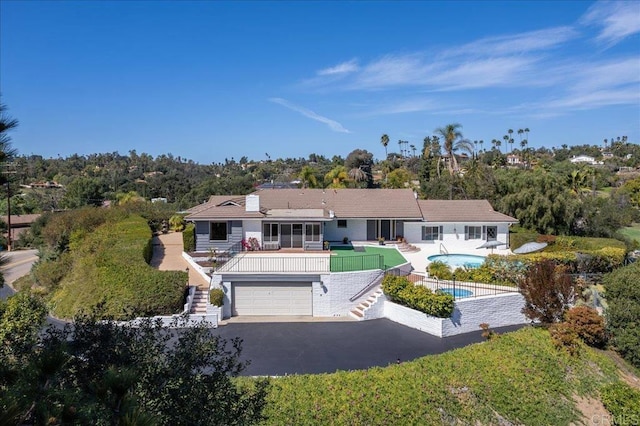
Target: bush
x,y
565,337
548,292
216,297
189,237
420,298
623,314
587,324
623,402
109,272
439,270
176,223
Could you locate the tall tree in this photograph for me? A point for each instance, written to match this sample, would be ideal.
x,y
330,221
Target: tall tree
x,y
336,177
453,141
6,124
308,177
384,140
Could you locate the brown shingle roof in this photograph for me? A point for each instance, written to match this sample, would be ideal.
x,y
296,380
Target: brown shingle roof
x,y
345,203
461,211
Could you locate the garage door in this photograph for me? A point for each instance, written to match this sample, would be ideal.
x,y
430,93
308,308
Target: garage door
x,y
270,298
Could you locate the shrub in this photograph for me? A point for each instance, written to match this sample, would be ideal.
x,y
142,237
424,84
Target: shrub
x,y
565,338
189,237
623,314
548,292
420,298
176,223
216,297
623,402
587,324
440,270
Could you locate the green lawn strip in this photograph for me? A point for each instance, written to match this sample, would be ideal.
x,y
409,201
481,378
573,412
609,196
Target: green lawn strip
x,y
109,270
632,232
391,257
520,377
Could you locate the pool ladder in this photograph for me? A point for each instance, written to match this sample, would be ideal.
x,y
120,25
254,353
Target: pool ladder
x,y
443,249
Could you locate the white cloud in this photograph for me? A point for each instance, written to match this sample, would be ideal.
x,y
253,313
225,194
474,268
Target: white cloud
x,y
341,69
531,41
617,19
333,125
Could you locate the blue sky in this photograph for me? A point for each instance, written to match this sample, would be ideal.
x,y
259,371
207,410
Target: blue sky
x,y
215,80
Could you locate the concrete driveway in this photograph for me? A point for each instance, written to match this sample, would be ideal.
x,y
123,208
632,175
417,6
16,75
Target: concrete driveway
x,y
277,349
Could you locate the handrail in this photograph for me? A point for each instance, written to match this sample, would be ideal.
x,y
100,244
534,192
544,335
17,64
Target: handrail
x,y
443,249
369,285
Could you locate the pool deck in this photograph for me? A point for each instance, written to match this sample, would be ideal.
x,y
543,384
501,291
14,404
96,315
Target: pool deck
x,y
419,259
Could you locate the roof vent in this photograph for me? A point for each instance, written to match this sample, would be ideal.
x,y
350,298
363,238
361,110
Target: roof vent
x,y
332,214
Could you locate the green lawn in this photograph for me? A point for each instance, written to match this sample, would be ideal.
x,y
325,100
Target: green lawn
x,y
346,259
632,232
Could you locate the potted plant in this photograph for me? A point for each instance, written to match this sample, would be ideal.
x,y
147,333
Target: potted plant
x,y
345,240
381,241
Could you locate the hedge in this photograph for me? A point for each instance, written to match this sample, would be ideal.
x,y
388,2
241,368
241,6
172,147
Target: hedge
x,y
402,291
109,273
189,237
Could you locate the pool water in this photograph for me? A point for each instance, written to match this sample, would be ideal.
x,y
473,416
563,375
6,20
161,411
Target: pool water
x,y
458,293
458,260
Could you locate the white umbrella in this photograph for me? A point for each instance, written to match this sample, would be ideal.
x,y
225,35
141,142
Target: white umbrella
x,y
492,244
530,248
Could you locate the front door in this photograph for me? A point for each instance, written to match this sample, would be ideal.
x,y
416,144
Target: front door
x,y
296,235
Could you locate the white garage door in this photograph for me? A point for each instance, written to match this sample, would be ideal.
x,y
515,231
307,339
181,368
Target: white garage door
x,y
271,298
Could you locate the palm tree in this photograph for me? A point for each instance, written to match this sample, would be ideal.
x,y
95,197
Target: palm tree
x,y
384,140
357,174
481,143
336,177
308,177
6,124
605,143
454,141
413,150
506,141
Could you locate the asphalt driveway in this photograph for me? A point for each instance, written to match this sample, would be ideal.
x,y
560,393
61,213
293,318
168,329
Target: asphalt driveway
x,y
277,349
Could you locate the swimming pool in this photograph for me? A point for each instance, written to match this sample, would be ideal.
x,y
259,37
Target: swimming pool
x,y
458,260
458,293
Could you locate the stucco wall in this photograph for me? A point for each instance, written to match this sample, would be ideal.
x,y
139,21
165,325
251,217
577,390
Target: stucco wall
x,y
454,238
252,229
356,230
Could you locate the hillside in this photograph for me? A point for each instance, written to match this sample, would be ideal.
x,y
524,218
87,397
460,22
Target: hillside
x,y
517,378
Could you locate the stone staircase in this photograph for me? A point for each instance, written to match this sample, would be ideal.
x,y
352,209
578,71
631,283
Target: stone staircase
x,y
359,311
200,301
405,247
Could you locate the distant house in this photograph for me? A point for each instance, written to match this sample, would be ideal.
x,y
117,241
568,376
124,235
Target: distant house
x,y
584,159
513,160
19,223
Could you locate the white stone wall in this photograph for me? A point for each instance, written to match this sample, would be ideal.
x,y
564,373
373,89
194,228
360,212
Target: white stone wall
x,y
356,230
226,305
412,318
497,311
331,297
376,310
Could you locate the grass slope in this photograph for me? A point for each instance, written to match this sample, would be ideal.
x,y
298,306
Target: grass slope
x,y
632,232
109,270
519,377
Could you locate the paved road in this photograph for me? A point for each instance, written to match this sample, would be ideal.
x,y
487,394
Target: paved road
x,y
19,264
277,349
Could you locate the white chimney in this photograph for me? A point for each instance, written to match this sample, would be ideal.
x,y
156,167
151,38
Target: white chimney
x,y
252,203
332,214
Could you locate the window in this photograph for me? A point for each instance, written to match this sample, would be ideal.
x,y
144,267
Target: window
x,y
492,233
473,232
342,223
312,232
431,233
270,232
218,231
